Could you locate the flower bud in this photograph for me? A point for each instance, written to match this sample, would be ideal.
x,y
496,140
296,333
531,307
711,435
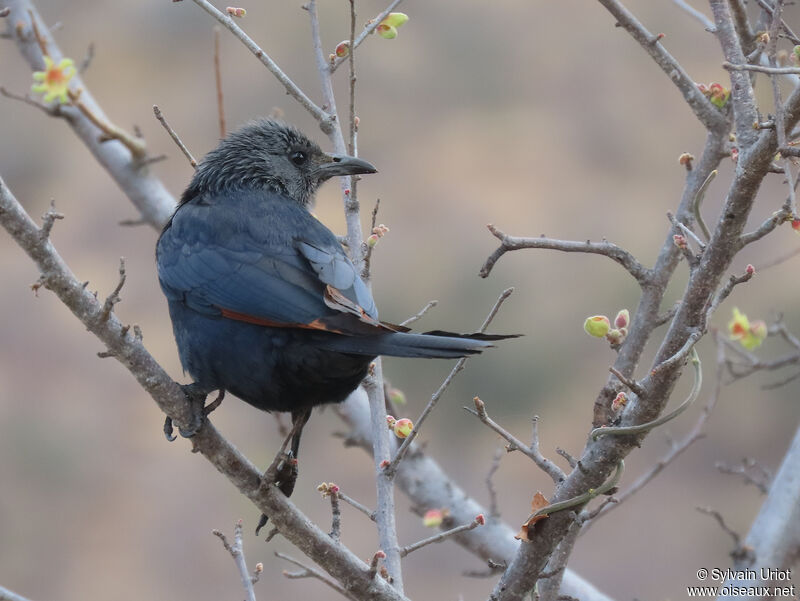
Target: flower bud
x,y
480,519
597,326
395,19
390,421
372,240
397,397
236,12
403,427
758,329
387,32
619,402
622,320
615,337
342,49
433,518
680,241
796,225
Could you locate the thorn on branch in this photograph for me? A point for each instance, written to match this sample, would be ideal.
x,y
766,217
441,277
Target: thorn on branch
x,y
113,298
48,220
87,60
632,385
573,463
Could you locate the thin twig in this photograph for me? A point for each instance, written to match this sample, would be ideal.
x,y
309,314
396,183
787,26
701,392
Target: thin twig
x,y
218,82
707,23
87,60
761,481
762,69
550,468
706,112
726,290
113,298
135,145
51,110
312,572
391,469
362,508
612,251
237,552
437,538
494,510
291,88
160,116
737,541
417,316
372,25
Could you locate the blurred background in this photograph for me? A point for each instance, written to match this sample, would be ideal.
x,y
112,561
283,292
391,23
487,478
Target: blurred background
x,y
539,117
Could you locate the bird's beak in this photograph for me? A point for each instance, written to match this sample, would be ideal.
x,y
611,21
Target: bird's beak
x,y
340,164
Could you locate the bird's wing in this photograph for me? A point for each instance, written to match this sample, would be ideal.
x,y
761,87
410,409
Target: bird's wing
x,y
262,258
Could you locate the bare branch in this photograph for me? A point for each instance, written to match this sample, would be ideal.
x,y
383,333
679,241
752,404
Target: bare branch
x,y
143,189
742,98
737,541
612,251
761,479
494,509
291,88
372,25
420,313
401,452
762,69
550,468
437,538
113,298
707,23
160,116
218,82
312,572
706,112
237,552
5,594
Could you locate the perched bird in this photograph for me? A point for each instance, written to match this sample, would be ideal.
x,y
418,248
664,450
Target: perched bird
x,y
264,301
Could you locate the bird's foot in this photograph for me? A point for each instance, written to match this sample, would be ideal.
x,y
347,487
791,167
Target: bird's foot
x,y
196,395
282,473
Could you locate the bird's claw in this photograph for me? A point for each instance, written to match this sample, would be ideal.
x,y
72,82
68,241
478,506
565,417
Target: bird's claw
x,y
282,473
199,410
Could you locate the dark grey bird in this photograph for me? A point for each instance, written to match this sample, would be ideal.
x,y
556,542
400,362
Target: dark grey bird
x,y
264,301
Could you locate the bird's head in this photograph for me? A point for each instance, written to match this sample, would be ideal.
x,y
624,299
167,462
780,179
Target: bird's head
x,y
271,155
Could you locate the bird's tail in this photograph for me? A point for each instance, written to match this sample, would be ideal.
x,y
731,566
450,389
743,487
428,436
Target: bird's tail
x,y
436,344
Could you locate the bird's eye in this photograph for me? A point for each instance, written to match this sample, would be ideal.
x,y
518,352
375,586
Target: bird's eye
x,y
298,157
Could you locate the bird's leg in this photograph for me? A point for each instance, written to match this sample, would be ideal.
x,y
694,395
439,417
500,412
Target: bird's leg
x,y
283,470
196,395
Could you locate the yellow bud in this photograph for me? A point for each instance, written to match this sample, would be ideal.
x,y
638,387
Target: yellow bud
x,y
597,326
